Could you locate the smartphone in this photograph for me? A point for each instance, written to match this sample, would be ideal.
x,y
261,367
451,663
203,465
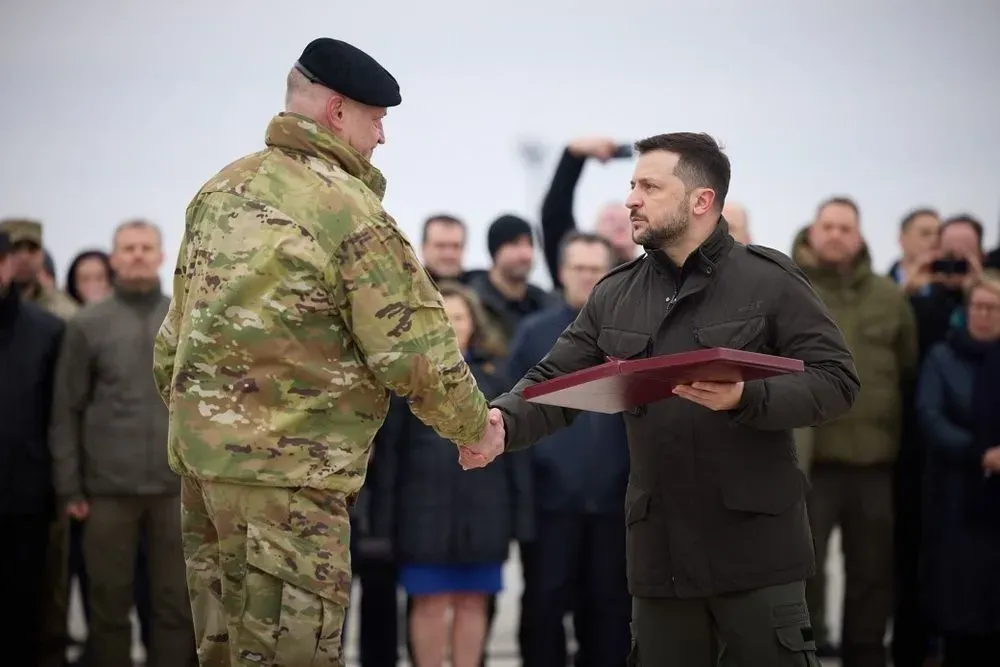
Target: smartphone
x,y
623,151
950,266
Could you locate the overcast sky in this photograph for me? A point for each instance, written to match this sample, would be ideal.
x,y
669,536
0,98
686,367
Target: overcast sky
x,y
109,112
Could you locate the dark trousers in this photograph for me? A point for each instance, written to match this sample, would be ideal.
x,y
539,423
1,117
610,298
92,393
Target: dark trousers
x,y
911,634
78,571
972,650
378,613
577,565
22,576
767,627
110,542
859,499
55,595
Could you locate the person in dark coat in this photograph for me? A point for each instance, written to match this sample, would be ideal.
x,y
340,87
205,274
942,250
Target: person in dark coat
x,y
29,347
717,543
451,529
958,395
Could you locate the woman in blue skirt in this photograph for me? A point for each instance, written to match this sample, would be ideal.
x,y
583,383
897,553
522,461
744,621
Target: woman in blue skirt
x,y
451,528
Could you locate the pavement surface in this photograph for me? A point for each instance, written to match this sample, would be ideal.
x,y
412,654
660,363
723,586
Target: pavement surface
x,y
503,645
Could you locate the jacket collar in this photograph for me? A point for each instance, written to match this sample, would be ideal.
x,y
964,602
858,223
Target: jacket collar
x,y
142,298
299,134
705,259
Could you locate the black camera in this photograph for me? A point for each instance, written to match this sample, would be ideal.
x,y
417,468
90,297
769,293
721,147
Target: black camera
x,y
950,266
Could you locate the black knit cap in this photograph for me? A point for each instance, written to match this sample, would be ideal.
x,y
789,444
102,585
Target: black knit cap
x,y
506,229
349,71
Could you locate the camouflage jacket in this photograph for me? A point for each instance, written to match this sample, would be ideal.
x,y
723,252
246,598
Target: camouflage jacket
x,y
54,301
298,305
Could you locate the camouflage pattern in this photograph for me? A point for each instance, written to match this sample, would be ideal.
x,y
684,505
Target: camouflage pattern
x,y
56,302
297,303
22,229
268,571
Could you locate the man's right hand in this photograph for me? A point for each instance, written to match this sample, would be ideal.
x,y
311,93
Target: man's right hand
x,y
78,509
490,446
599,148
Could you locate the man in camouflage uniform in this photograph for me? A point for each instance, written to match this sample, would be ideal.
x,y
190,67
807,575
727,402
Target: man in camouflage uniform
x,y
297,305
28,255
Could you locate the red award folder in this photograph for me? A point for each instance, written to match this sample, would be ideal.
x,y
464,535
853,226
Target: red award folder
x,y
624,384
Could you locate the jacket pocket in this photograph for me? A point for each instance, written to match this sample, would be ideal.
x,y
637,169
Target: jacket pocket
x,y
770,494
733,334
646,546
622,344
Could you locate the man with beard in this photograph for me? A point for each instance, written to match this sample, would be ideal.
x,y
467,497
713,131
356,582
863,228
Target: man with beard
x,y
504,290
717,535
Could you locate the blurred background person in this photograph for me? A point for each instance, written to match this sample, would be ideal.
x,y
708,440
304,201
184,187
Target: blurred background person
x,y
579,477
89,277
962,504
442,247
29,348
738,217
853,457
109,435
557,219
450,529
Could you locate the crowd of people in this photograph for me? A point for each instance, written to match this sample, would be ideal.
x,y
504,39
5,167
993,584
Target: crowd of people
x,y
901,477
910,474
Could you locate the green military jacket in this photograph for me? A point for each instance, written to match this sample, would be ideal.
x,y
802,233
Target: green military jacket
x,y
298,305
881,333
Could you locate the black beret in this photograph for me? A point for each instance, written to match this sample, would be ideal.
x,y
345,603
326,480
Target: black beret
x,y
349,71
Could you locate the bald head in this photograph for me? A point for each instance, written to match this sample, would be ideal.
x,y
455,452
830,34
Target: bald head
x,y
739,221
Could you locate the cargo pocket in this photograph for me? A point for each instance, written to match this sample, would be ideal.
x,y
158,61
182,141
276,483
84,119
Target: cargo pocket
x,y
646,546
296,593
800,645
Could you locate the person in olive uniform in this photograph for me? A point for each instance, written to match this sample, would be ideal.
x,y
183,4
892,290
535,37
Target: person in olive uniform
x,y
718,539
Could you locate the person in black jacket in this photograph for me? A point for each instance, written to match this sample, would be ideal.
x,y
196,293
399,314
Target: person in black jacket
x,y
451,529
962,514
29,347
579,477
718,543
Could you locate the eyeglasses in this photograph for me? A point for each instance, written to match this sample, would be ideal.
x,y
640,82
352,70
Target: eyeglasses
x,y
986,308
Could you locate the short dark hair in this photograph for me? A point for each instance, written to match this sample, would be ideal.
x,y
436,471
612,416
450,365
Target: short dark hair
x,y
574,236
702,163
444,219
840,200
914,214
965,219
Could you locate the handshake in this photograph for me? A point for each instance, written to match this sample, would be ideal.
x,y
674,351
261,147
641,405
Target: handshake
x,y
491,444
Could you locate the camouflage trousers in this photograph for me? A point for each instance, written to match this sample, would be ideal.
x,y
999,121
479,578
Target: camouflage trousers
x,y
269,574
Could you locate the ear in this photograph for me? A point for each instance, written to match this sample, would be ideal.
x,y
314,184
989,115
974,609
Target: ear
x,y
704,199
335,112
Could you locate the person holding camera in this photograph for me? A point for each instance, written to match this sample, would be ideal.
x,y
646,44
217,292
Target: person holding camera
x,y
937,286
